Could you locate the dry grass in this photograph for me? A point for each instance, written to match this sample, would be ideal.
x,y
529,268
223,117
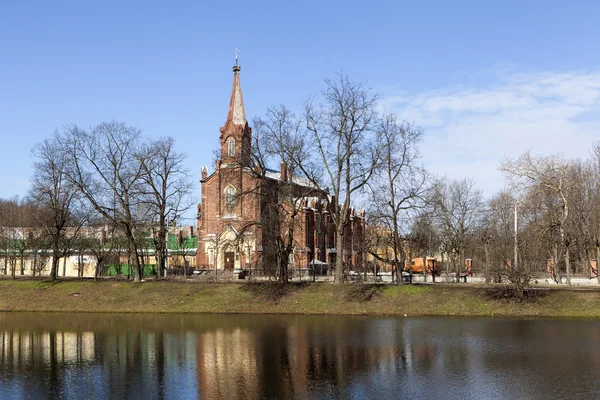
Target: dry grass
x,y
315,298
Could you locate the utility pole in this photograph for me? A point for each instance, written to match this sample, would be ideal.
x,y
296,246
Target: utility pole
x,y
516,240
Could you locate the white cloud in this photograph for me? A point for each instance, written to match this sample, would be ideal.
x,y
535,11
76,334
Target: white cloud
x,y
469,130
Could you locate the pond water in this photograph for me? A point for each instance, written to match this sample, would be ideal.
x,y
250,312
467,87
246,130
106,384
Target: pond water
x,y
64,356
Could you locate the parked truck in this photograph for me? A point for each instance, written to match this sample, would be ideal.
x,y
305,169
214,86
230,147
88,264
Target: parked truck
x,y
417,265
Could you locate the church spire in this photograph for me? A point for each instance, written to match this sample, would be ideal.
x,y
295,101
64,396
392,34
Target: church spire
x,y
236,134
236,114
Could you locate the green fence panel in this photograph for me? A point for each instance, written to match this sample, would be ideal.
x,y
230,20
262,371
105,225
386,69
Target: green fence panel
x,y
116,270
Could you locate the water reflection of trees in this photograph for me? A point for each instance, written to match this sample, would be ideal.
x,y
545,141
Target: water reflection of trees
x,y
236,357
57,364
36,362
251,357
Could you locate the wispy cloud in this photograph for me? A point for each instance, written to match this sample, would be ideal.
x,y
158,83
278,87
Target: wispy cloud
x,y
469,130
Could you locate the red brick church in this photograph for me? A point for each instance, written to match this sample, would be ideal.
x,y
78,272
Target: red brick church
x,y
230,233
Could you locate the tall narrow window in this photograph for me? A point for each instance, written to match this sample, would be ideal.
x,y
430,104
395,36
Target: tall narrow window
x,y
231,147
230,199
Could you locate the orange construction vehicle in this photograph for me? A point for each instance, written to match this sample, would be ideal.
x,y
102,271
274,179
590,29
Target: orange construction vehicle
x,y
417,265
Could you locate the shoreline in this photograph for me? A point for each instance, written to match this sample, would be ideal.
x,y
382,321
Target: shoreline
x,y
167,297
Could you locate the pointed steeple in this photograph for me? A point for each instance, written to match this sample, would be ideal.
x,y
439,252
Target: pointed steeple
x,y
236,114
235,133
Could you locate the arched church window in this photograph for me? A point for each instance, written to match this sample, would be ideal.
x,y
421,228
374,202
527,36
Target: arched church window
x,y
231,147
230,198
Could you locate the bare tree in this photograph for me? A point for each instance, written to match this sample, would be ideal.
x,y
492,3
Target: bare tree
x,y
4,240
11,233
457,208
343,133
105,170
398,187
594,190
544,173
102,243
4,234
184,245
166,190
423,239
37,244
582,198
18,226
81,246
61,217
277,137
497,233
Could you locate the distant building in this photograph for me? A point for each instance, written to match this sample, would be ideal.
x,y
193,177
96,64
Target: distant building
x,y
27,251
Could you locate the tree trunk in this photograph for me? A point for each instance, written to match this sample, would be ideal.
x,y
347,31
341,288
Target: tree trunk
x,y
447,268
160,262
425,268
519,290
584,262
216,259
137,268
400,269
54,266
568,266
97,271
339,262
487,263
283,268
400,262
410,268
598,262
457,266
128,264
557,276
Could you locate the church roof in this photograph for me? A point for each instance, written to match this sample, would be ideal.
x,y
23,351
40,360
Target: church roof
x,y
298,180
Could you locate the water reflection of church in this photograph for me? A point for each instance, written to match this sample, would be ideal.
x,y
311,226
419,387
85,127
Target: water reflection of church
x,y
286,360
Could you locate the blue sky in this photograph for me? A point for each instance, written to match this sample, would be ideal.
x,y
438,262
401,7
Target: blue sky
x,y
484,79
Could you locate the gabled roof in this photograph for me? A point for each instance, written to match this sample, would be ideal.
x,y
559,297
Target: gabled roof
x,y
298,180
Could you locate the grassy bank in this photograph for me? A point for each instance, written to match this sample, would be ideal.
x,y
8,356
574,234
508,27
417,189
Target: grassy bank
x,y
319,298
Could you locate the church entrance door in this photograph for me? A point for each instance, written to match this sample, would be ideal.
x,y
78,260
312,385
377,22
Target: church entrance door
x,y
229,257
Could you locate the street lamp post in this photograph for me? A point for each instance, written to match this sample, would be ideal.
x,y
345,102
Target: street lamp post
x,y
516,249
169,222
166,252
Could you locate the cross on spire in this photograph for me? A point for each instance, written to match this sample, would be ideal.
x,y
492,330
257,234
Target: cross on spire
x,y
236,67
